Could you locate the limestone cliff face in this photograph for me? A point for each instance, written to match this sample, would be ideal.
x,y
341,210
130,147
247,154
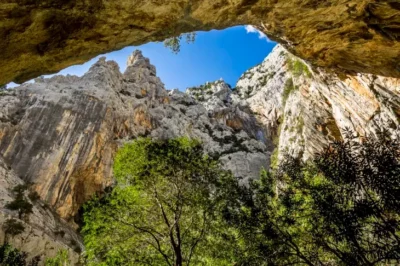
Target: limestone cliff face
x,y
306,107
45,36
44,233
61,134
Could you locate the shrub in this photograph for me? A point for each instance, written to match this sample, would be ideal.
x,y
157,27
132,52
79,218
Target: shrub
x,y
33,196
23,207
298,68
60,233
10,256
20,203
288,89
13,227
20,189
61,259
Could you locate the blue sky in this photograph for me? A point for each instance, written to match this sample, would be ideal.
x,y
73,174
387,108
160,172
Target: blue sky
x,y
216,54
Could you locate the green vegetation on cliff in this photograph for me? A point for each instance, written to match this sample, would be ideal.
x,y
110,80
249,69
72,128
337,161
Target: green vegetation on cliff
x,y
298,68
61,259
10,256
342,208
173,205
20,203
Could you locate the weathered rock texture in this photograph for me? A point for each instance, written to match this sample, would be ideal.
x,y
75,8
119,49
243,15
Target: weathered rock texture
x,y
45,36
45,233
306,108
61,133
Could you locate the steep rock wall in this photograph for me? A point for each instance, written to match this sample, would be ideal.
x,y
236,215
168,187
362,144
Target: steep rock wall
x,y
61,133
44,232
307,107
41,37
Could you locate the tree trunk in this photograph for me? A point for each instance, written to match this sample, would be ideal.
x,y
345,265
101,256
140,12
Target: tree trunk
x,y
178,261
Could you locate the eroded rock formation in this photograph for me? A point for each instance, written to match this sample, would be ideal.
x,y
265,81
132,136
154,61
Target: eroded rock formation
x,y
44,232
61,133
305,108
38,37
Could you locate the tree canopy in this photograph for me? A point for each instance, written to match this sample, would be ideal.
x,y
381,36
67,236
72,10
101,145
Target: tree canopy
x,y
341,208
174,205
164,209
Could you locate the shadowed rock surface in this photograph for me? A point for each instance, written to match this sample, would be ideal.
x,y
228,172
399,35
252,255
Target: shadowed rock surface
x,y
353,36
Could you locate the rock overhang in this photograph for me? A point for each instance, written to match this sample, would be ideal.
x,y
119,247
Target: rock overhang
x,y
40,37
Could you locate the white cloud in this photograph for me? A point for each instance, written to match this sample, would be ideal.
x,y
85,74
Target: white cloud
x,y
261,35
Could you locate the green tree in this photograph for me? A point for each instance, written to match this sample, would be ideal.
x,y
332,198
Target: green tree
x,y
13,227
33,196
174,43
164,210
61,259
342,208
20,202
10,256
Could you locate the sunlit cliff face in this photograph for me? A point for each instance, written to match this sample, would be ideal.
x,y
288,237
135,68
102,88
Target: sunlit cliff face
x,y
61,133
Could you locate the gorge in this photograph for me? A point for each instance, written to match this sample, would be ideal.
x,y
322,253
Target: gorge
x,y
60,134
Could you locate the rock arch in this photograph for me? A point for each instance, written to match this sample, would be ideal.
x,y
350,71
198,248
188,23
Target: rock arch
x,y
45,36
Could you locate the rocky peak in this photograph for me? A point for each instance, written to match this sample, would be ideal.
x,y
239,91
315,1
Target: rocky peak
x,y
104,71
142,77
137,58
269,74
137,61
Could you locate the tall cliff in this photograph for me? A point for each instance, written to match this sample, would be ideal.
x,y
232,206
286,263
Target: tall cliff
x,y
305,108
45,36
61,134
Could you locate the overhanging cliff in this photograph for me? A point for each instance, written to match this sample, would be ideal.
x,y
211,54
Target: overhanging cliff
x,y
353,36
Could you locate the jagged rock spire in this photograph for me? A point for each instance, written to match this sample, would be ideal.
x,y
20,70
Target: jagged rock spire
x,y
136,56
137,60
142,76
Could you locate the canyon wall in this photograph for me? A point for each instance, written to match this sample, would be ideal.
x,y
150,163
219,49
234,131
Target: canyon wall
x,y
59,135
305,108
